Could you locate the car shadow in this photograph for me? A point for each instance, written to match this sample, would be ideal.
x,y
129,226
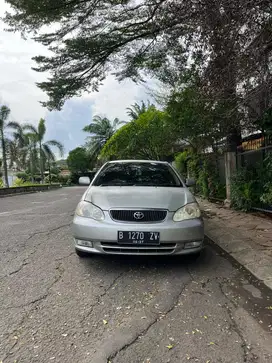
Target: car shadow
x,y
120,262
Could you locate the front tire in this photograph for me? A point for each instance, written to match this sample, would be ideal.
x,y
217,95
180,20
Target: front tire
x,y
82,254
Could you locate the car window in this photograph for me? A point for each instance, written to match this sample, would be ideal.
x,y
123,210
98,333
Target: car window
x,y
137,174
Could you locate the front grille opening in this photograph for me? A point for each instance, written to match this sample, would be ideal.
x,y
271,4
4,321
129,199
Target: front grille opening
x,y
138,216
115,244
115,248
138,250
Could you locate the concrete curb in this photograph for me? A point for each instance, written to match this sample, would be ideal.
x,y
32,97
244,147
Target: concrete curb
x,y
30,191
253,260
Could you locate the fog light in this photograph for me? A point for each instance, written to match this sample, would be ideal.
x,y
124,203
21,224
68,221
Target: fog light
x,y
194,244
83,243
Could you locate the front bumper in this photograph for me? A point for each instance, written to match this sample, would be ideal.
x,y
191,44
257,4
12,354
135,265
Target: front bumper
x,y
174,236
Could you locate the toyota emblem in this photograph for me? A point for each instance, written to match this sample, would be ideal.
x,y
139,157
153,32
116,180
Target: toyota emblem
x,y
138,215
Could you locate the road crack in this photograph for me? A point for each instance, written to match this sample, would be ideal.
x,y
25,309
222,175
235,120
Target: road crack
x,y
247,355
45,295
35,303
99,298
24,262
158,317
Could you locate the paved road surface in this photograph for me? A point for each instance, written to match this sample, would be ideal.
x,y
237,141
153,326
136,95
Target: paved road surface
x,y
55,307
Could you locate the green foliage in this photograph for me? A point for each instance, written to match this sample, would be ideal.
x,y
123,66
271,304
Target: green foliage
x,y
136,110
52,179
37,178
24,176
181,162
78,160
148,137
101,130
84,50
1,183
54,169
252,186
204,169
244,194
64,179
45,152
193,118
19,182
267,196
266,174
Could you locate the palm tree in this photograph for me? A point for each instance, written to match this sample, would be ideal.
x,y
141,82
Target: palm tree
x,y
16,147
136,110
101,130
4,124
37,141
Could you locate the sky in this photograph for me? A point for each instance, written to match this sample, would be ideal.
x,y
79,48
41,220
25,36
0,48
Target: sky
x,y
19,92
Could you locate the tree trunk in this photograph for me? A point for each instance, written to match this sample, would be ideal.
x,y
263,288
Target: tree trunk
x,y
233,140
32,165
5,166
41,164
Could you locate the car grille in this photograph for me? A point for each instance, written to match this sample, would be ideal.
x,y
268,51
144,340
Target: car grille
x,y
128,249
147,215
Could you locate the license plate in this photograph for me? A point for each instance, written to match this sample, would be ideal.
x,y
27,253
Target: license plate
x,y
139,238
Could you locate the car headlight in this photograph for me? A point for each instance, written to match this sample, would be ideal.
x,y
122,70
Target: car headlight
x,y
189,211
89,210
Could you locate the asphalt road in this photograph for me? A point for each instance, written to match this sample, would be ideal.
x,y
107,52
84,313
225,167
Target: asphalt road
x,y
55,307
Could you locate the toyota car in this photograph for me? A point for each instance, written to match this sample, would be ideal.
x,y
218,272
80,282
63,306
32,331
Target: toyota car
x,y
137,207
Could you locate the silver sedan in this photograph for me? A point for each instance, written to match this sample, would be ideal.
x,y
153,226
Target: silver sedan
x,y
137,207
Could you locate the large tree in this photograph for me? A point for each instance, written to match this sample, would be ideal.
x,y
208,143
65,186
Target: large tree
x,y
149,137
46,154
101,130
227,41
79,161
135,110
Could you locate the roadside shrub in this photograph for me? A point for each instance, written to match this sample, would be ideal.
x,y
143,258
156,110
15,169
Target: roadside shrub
x,y
64,179
245,189
37,178
23,176
181,163
54,179
266,197
266,173
1,183
18,182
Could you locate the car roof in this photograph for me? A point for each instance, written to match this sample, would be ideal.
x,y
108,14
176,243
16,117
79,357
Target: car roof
x,y
137,161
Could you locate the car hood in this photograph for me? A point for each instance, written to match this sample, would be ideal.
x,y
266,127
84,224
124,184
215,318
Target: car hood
x,y
139,197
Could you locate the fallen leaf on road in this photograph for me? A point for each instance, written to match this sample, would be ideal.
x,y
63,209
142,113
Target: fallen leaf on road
x,y
269,307
211,343
170,346
105,322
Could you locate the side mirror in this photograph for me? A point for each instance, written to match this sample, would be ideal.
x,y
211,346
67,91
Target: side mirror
x,y
84,180
190,183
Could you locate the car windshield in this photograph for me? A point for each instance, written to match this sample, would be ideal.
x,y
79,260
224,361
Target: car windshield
x,y
137,174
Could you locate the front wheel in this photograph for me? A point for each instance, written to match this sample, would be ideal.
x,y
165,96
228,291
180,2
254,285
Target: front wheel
x,y
82,254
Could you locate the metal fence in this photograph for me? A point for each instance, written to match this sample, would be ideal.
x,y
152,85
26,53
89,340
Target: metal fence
x,y
252,154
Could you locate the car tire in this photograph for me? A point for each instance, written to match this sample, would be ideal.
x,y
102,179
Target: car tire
x,y
83,254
